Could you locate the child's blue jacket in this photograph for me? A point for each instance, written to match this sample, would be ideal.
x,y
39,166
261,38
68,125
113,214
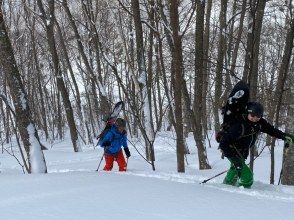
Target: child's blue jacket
x,y
116,140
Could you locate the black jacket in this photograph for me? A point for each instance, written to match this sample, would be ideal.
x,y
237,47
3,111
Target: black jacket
x,y
242,135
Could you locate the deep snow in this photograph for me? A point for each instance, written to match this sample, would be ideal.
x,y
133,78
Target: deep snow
x,y
73,190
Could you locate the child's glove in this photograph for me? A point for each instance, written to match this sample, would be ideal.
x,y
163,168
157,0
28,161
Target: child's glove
x,y
289,138
127,152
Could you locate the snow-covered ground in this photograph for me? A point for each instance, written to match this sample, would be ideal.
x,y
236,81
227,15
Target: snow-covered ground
x,y
74,190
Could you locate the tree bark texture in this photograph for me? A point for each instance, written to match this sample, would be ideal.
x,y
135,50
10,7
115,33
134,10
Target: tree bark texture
x,y
198,89
178,66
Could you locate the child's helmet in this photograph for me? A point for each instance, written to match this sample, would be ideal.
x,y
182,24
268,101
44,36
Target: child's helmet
x,y
255,109
121,122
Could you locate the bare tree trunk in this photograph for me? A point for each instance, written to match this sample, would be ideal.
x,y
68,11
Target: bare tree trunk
x,y
58,116
219,66
166,85
287,177
188,112
31,26
150,74
198,89
253,74
228,57
288,166
251,59
49,24
72,75
206,70
238,40
23,114
177,65
143,81
39,76
282,76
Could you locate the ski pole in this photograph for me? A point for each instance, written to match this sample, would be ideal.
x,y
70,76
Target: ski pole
x,y
105,148
240,155
204,181
96,144
100,162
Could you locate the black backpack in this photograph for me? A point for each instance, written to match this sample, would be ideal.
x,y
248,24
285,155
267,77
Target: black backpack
x,y
235,107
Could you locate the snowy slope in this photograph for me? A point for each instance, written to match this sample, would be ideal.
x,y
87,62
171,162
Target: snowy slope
x,y
73,190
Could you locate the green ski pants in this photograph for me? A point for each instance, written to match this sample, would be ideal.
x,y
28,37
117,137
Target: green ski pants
x,y
240,175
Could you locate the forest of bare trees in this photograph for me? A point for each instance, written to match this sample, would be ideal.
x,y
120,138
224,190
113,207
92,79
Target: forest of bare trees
x,y
63,65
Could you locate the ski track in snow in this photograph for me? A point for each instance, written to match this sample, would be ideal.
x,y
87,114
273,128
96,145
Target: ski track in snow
x,y
258,190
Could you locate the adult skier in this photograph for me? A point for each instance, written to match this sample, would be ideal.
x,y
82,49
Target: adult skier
x,y
112,142
239,137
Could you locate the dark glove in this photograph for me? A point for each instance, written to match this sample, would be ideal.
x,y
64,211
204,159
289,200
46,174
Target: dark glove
x,y
106,144
238,163
227,152
218,136
127,152
289,138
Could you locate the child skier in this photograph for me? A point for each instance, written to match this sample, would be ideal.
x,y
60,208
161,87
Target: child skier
x,y
236,141
112,141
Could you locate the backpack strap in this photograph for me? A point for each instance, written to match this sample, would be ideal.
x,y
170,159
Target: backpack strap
x,y
243,130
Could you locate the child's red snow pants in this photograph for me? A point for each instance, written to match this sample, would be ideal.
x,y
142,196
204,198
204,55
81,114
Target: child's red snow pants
x,y
120,159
